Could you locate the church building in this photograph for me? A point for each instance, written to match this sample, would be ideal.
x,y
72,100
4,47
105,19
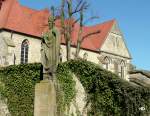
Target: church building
x,y
21,29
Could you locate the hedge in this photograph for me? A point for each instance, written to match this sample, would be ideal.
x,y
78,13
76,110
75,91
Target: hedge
x,y
108,94
19,81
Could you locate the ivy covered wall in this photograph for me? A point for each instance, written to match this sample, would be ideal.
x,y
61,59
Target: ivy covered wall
x,y
107,94
19,82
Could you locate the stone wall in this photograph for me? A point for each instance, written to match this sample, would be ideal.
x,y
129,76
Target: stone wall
x,y
4,108
78,105
3,104
115,44
116,61
112,47
91,56
3,51
34,46
116,50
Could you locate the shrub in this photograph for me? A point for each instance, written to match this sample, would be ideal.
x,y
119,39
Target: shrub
x,y
19,84
108,94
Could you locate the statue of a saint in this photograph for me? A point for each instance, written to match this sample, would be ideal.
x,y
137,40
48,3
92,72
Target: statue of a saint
x,y
50,50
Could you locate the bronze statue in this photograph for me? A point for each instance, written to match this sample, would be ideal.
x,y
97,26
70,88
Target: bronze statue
x,y
50,50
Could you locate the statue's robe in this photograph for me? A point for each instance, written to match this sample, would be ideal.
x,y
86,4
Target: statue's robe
x,y
50,51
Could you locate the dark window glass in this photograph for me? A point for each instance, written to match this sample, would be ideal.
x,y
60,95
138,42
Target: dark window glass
x,y
122,71
24,51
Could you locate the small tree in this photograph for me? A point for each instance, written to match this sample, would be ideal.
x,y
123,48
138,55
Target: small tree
x,y
68,11
81,38
68,22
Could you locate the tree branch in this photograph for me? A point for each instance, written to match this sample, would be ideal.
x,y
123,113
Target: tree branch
x,y
78,5
84,6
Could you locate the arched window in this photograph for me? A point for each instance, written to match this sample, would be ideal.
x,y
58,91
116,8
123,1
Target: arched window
x,y
106,63
122,69
116,67
24,51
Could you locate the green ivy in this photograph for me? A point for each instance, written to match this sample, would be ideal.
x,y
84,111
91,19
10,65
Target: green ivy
x,y
19,82
17,85
66,88
108,94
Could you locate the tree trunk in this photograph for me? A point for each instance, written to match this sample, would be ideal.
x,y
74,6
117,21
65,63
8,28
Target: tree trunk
x,y
68,48
79,41
78,47
69,30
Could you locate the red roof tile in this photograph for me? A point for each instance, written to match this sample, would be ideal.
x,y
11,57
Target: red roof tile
x,y
19,18
95,41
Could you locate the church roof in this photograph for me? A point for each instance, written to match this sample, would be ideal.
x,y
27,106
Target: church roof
x,y
18,18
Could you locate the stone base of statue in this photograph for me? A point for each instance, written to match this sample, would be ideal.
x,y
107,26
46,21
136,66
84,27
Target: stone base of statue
x,y
45,99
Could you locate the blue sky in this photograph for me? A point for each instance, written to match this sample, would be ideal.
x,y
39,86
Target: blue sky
x,y
133,17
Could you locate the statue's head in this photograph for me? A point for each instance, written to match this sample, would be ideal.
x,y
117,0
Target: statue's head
x,y
51,18
51,22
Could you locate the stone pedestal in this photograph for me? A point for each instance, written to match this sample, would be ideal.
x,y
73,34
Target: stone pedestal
x,y
45,99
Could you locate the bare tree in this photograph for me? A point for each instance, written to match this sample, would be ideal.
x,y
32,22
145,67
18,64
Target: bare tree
x,y
68,10
81,38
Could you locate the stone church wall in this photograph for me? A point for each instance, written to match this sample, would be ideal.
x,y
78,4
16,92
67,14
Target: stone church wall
x,y
91,56
35,46
3,51
115,44
115,48
117,60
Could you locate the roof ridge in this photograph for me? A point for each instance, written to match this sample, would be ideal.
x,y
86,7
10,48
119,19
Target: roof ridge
x,y
37,10
105,22
111,20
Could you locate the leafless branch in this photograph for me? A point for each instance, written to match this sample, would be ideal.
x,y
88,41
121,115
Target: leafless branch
x,y
78,5
83,6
